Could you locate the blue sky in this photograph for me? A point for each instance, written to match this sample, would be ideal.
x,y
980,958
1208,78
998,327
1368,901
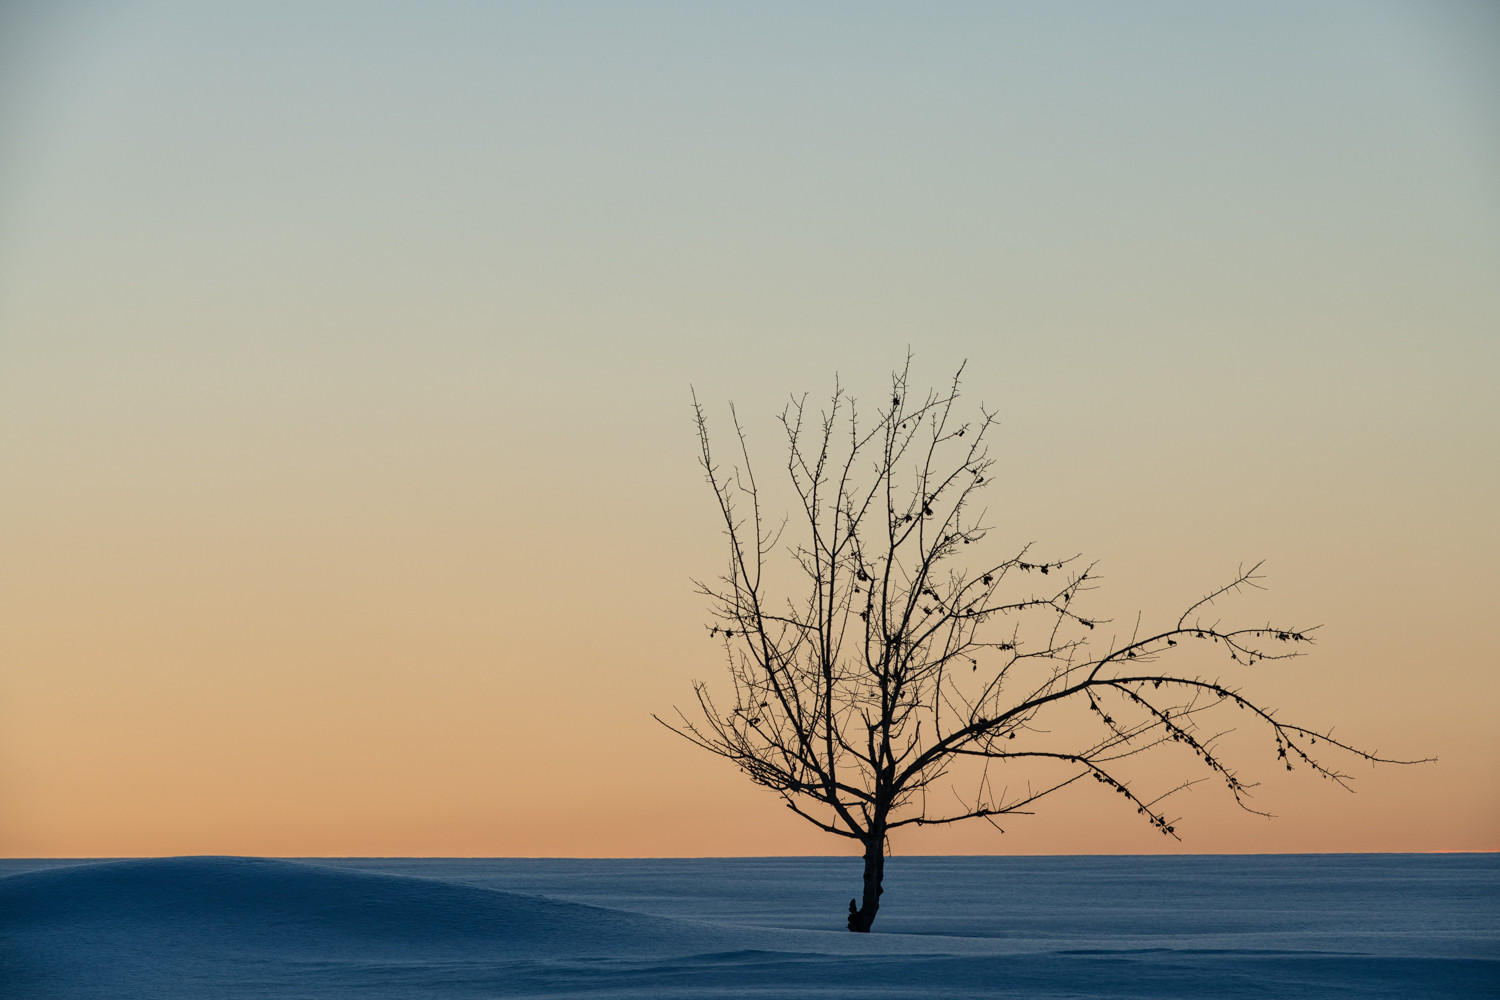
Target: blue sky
x,y
317,315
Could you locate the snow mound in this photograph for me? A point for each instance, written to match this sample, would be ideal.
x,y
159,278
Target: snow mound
x,y
248,927
294,907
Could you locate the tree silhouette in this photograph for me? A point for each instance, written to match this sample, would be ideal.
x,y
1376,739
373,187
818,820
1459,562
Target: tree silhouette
x,y
881,662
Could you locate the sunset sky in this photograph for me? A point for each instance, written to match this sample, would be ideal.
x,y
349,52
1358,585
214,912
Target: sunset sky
x,y
350,503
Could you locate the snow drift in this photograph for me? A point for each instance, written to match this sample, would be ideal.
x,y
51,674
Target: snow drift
x,y
293,907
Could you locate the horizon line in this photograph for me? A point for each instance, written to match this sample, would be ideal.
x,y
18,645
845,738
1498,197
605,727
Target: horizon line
x,y
727,857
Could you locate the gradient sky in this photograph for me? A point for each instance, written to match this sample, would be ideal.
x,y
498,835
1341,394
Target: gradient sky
x,y
349,494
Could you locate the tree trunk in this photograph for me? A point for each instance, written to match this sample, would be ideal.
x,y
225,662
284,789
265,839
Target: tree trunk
x,y
861,917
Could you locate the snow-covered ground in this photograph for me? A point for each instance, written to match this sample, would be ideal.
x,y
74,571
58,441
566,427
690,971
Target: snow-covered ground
x,y
1399,926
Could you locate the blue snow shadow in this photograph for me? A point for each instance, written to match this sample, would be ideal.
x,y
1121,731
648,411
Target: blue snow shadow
x,y
241,927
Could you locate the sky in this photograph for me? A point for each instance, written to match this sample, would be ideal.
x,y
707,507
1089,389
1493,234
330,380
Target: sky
x,y
350,503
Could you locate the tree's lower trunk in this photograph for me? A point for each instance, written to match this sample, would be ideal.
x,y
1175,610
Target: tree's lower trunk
x,y
862,916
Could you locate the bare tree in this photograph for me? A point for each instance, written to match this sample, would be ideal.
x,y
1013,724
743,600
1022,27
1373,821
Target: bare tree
x,y
898,671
